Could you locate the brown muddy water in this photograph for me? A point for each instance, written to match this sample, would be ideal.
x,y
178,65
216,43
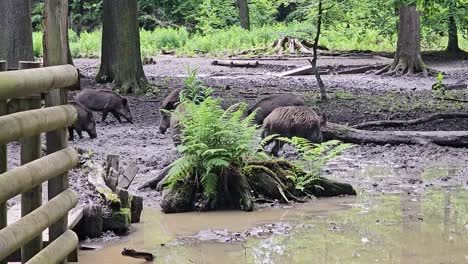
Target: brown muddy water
x,y
408,226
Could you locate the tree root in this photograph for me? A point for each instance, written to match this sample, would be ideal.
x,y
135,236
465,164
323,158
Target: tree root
x,y
401,123
407,66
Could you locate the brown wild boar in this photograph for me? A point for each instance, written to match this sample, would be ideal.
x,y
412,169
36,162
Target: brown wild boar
x,y
293,121
84,122
105,101
169,103
266,105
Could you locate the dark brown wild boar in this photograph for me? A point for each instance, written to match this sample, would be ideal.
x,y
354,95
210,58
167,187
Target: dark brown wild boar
x,y
169,104
84,122
266,105
105,101
293,121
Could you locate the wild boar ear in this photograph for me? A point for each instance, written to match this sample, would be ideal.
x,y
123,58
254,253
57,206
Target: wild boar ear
x,y
124,101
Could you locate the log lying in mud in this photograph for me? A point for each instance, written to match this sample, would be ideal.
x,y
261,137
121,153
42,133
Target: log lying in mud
x,y
231,63
417,121
267,180
96,177
155,182
352,135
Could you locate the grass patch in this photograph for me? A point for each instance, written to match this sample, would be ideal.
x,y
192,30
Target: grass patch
x,y
235,39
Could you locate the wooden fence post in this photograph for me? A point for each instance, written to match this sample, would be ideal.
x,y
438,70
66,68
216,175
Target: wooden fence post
x,y
3,158
30,150
56,53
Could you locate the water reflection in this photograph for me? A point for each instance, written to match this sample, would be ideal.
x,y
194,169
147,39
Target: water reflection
x,y
411,227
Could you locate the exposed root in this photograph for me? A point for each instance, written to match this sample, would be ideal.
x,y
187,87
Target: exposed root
x,y
407,66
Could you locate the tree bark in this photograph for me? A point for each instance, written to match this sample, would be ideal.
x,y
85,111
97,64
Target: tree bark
x,y
452,45
16,32
121,56
313,62
244,13
408,58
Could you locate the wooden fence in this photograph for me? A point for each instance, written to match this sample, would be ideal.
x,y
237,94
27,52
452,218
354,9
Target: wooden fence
x,y
26,126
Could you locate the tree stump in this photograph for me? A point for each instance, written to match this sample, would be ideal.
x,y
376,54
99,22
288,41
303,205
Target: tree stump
x,y
91,225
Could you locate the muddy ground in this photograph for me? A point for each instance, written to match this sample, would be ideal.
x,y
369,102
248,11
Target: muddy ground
x,y
354,98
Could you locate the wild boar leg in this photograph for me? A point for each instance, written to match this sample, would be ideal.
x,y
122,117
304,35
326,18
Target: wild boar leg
x,y
104,115
70,134
117,116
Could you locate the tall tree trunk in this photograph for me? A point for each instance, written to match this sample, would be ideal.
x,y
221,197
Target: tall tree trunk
x,y
452,32
15,32
244,13
313,62
408,54
121,56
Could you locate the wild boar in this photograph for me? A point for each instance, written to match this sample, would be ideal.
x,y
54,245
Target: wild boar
x,y
84,122
105,101
293,121
169,104
266,105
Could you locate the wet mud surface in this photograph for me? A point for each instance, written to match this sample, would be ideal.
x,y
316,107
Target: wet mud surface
x,y
386,171
354,98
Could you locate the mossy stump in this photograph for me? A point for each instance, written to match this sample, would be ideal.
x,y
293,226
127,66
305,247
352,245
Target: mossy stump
x,y
118,221
237,188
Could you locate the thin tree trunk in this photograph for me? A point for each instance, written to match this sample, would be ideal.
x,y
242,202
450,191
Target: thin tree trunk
x,y
16,32
244,13
452,34
313,62
121,56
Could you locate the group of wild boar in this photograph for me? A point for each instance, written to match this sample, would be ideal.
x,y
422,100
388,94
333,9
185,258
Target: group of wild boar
x,y
104,101
284,114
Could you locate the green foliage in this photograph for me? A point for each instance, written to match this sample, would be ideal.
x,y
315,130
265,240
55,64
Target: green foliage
x,y
438,89
313,157
216,14
212,141
194,89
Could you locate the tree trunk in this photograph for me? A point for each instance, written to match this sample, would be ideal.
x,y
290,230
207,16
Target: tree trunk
x,y
121,56
452,34
313,62
408,54
244,14
16,32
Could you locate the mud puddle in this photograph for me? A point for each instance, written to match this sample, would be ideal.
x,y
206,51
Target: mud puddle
x,y
406,226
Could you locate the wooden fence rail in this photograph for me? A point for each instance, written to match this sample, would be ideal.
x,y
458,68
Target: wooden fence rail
x,y
22,87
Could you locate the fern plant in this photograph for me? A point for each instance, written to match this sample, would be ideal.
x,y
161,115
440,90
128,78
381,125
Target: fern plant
x,y
194,89
212,140
313,157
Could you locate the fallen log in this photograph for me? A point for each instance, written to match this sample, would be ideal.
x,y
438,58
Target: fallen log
x,y
364,69
154,182
96,178
352,135
231,63
417,121
306,70
130,252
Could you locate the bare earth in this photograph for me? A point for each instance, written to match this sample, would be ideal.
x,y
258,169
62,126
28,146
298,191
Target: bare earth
x,y
353,101
143,144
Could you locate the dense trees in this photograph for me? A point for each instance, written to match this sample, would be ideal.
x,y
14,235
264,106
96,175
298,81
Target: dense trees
x,y
15,31
121,57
